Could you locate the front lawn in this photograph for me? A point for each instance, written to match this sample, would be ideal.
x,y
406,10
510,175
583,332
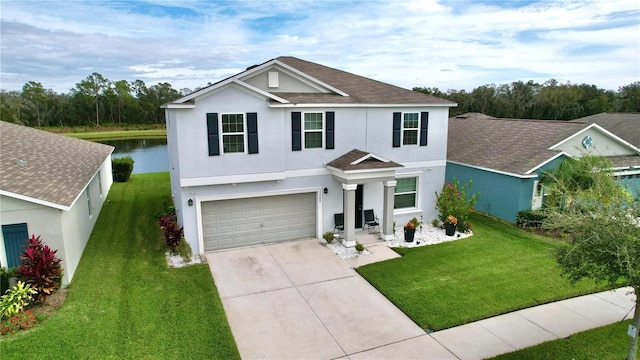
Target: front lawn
x,y
604,343
497,270
124,302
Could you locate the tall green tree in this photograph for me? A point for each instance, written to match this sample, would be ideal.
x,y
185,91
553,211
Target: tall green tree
x,y
35,97
603,223
94,85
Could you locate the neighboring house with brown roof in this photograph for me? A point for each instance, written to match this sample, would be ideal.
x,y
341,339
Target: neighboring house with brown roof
x,y
272,153
505,157
53,186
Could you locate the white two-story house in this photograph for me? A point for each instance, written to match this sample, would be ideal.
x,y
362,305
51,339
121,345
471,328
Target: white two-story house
x,y
272,153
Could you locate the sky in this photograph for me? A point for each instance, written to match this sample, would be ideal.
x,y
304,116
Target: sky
x,y
447,44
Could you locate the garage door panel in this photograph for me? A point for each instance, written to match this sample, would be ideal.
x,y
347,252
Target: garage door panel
x,y
251,221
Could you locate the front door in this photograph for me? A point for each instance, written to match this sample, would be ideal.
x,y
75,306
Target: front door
x,y
359,196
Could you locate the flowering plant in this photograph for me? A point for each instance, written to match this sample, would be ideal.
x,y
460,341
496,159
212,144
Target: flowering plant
x,y
410,225
451,220
456,201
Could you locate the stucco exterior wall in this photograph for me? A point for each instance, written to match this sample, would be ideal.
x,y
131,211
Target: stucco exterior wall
x,y
66,231
500,195
41,221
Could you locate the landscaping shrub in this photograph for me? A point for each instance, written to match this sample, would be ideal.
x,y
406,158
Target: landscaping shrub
x,y
20,321
435,223
5,274
455,200
530,218
170,231
122,168
40,267
359,247
16,299
184,250
328,236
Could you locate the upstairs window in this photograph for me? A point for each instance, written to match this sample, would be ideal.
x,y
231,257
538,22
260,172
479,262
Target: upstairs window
x,y
313,130
410,128
233,133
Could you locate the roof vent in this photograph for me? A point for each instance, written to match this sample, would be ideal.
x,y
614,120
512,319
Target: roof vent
x,y
464,116
20,162
273,79
251,67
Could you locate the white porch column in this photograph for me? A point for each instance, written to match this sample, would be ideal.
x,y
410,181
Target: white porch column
x,y
387,210
349,203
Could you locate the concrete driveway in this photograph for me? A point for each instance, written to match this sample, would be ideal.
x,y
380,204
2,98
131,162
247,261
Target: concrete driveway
x,y
299,300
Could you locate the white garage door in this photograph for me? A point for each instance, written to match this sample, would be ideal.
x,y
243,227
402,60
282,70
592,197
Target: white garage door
x,y
251,221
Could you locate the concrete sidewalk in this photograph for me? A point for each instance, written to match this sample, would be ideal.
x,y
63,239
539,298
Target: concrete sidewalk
x,y
298,300
524,328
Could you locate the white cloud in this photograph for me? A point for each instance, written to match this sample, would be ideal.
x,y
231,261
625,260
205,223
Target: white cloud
x,y
407,43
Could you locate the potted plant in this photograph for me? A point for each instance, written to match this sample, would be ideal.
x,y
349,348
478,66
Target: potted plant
x,y
409,231
450,224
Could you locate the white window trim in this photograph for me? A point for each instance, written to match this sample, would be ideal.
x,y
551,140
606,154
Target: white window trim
x,y
244,133
321,131
402,129
418,203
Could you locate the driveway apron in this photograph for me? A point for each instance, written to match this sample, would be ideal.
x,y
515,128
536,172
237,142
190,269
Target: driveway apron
x,y
299,300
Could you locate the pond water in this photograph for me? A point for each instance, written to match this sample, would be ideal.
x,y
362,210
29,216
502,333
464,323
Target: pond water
x,y
149,155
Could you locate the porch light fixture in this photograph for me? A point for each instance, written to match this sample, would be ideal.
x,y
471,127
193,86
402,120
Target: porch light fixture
x,y
190,202
325,190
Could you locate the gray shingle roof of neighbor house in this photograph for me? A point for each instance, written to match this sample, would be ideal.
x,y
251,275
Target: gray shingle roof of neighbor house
x,y
360,90
361,160
514,146
47,167
624,125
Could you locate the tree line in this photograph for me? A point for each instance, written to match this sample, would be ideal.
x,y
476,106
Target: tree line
x,y
549,100
99,101
93,101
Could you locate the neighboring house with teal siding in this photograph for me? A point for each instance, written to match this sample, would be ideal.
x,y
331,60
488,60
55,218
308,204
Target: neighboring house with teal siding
x,y
53,186
627,126
504,158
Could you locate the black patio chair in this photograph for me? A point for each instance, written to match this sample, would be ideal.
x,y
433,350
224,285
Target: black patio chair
x,y
370,220
338,220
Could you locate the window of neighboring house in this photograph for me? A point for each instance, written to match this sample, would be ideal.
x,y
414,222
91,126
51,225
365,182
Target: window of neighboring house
x,y
89,200
99,183
410,128
313,130
233,133
406,192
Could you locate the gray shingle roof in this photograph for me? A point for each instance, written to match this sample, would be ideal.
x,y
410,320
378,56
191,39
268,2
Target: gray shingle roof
x,y
624,125
46,166
361,90
509,145
345,162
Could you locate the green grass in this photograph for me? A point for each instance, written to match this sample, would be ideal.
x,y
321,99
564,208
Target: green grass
x,y
124,302
120,135
604,343
497,270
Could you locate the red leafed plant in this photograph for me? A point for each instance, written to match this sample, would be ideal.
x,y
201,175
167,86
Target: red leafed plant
x,y
40,267
170,231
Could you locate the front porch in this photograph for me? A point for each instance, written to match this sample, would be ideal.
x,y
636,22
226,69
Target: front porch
x,y
358,168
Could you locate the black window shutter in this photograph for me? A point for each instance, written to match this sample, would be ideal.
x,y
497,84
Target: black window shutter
x,y
424,128
397,127
212,131
252,130
330,129
296,131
